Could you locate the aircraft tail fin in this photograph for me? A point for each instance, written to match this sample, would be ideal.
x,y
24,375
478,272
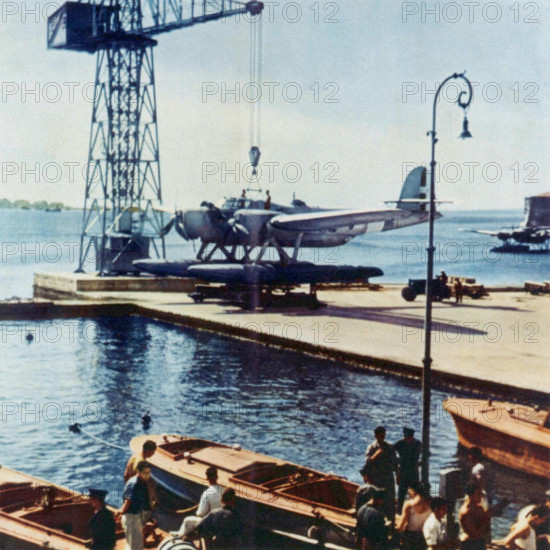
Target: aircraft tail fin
x,y
414,191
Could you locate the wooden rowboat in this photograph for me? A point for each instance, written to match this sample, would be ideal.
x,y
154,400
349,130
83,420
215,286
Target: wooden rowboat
x,y
36,514
517,436
272,494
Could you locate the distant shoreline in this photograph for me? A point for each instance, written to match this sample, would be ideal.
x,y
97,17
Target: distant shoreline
x,y
38,205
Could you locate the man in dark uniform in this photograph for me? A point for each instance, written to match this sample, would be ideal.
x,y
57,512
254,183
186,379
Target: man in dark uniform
x,y
409,450
381,462
223,525
366,491
102,525
372,533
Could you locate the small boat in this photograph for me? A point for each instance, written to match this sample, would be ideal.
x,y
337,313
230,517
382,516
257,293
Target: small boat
x,y
272,494
515,435
36,514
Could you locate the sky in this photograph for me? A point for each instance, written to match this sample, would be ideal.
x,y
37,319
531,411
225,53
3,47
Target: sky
x,y
347,89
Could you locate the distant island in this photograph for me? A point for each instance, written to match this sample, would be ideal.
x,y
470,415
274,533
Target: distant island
x,y
38,205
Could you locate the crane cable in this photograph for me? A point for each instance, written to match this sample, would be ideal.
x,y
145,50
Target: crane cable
x,y
255,84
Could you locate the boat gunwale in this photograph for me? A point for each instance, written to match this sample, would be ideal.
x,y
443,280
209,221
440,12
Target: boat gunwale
x,y
537,423
49,531
289,498
19,527
535,427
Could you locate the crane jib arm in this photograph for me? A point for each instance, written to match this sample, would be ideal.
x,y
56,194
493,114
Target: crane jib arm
x,y
90,26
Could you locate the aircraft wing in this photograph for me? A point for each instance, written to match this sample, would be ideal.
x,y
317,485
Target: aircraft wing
x,y
332,219
500,234
485,232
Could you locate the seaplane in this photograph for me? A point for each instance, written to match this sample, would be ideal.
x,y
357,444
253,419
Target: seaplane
x,y
236,233
532,235
252,245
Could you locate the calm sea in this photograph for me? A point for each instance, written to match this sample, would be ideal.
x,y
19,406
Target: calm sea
x,y
106,373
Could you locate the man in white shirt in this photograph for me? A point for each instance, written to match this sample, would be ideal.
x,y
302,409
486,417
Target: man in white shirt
x,y
211,499
435,527
480,474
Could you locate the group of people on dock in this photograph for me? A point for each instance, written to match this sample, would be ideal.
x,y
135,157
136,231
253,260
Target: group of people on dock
x,y
421,521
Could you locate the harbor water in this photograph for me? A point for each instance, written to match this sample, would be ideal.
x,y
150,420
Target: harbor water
x,y
106,373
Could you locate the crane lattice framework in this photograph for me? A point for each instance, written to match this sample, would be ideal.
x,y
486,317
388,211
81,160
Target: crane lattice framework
x,y
123,185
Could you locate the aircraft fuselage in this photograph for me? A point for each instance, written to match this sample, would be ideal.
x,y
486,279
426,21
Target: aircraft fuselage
x,y
222,225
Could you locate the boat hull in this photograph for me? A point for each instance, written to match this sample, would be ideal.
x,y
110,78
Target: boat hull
x,y
265,502
502,438
255,512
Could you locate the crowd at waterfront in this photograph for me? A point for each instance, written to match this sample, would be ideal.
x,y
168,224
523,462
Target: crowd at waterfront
x,y
422,521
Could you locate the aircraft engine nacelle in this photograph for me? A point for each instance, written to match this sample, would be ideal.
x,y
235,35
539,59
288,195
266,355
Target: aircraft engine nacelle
x,y
205,224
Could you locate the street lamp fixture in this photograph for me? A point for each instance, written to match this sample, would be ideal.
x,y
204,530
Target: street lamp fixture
x,y
465,132
427,361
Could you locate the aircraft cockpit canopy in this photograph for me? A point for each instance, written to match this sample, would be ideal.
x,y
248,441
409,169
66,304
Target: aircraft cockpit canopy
x,y
234,203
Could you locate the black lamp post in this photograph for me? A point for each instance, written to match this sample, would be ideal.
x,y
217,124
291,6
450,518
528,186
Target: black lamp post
x,y
427,361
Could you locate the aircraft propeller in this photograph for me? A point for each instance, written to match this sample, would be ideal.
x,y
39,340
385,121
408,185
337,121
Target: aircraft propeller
x,y
235,227
230,225
175,221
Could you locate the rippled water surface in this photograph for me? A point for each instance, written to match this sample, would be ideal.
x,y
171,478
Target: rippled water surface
x,y
106,373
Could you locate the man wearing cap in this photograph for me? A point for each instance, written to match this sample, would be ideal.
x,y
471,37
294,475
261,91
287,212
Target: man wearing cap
x,y
381,461
102,525
372,533
408,449
211,499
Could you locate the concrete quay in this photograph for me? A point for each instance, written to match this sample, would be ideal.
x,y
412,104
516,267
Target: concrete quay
x,y
495,345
